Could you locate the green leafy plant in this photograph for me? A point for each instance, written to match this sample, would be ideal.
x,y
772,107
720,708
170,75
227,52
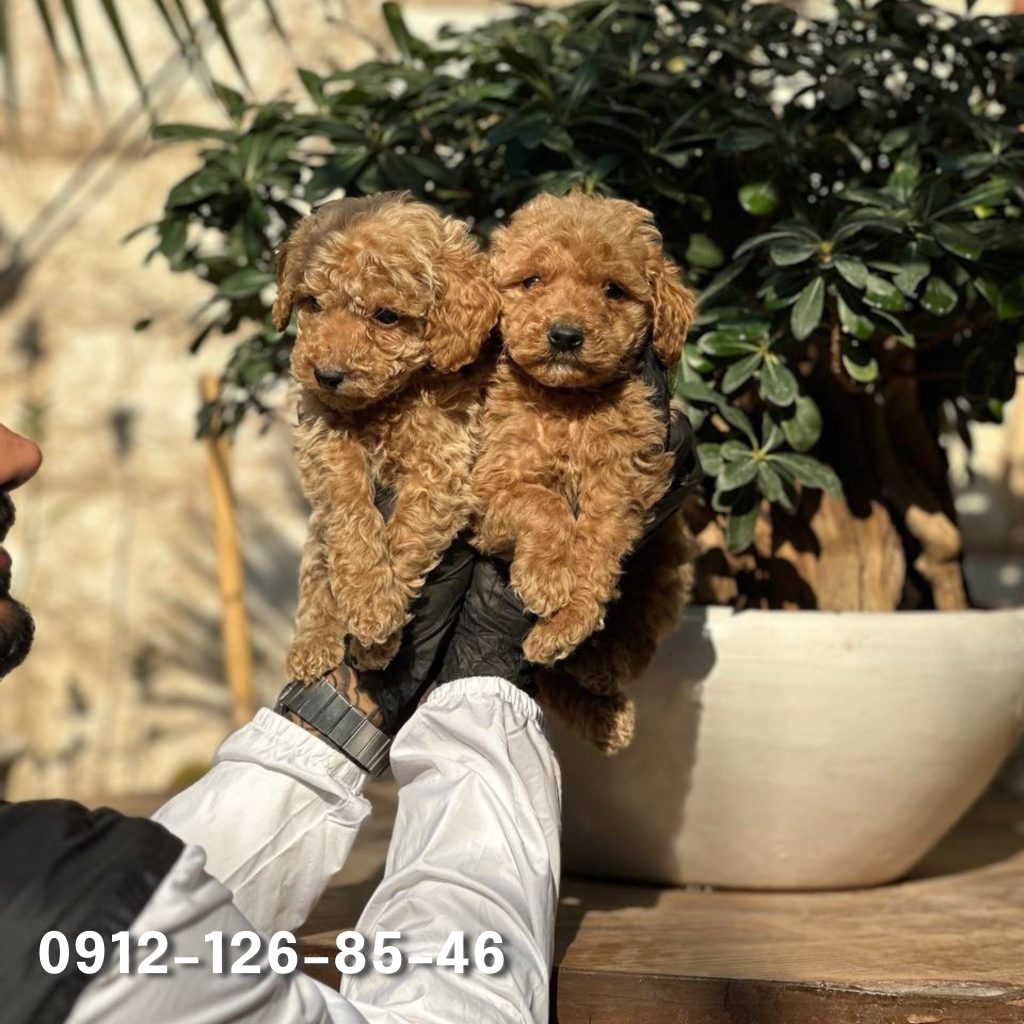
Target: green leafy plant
x,y
845,194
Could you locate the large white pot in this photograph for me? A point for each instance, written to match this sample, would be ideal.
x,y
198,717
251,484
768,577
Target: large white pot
x,y
798,750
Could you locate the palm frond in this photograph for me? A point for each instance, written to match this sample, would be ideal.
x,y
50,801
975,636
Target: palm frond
x,y
6,57
274,19
43,8
71,13
187,22
185,29
216,13
172,26
114,17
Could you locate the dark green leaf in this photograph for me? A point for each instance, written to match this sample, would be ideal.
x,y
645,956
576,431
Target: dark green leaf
x,y
244,282
883,294
738,418
189,132
699,391
895,139
958,241
740,372
232,101
725,343
788,254
808,470
759,199
859,361
173,236
723,279
853,323
853,270
806,314
910,275
710,456
736,451
778,385
742,522
771,483
735,474
742,140
703,252
803,428
939,297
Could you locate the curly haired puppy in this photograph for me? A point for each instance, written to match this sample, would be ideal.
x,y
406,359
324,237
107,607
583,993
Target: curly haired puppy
x,y
394,305
573,457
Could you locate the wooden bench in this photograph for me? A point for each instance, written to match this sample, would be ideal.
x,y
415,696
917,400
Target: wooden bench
x,y
944,947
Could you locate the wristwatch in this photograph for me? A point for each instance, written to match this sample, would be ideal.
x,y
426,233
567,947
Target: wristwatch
x,y
340,723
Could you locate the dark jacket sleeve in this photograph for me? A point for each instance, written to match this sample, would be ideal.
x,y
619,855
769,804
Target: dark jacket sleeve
x,y
64,867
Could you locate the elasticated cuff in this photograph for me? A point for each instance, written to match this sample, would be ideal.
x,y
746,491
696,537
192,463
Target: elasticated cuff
x,y
274,742
487,688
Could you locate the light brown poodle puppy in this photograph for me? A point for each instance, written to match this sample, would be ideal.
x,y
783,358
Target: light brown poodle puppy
x,y
573,457
394,305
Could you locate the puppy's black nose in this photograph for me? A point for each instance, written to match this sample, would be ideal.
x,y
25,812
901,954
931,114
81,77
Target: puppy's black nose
x,y
330,379
565,337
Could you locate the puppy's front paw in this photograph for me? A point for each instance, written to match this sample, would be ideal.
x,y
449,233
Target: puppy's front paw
x,y
372,656
599,668
544,586
557,637
312,655
490,541
376,619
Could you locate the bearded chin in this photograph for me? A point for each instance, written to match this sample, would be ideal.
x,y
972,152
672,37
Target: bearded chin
x,y
16,632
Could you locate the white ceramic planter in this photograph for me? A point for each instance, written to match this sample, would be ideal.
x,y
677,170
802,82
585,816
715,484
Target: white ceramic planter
x,y
798,750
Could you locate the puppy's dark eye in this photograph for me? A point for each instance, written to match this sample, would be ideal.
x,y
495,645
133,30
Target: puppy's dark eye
x,y
387,317
614,290
311,304
529,282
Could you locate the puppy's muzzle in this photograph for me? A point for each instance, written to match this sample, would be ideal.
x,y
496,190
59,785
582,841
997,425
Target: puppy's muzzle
x,y
330,380
564,338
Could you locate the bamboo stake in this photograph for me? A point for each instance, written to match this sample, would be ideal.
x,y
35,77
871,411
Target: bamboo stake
x,y
230,568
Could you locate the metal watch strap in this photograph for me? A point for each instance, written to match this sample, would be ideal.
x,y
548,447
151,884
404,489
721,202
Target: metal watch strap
x,y
343,725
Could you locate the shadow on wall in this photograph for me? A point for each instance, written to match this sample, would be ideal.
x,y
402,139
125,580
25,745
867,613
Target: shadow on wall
x,y
993,524
191,636
651,769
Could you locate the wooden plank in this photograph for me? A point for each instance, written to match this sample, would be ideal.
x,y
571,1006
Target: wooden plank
x,y
600,997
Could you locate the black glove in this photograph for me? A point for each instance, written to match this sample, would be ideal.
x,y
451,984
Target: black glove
x,y
488,640
398,687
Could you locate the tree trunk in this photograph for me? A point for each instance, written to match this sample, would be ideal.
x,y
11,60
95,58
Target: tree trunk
x,y
891,541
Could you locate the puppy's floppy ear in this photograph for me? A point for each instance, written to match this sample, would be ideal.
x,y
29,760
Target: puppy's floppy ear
x,y
673,307
290,259
467,308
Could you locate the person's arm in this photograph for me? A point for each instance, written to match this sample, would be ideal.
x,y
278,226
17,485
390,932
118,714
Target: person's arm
x,y
277,815
475,849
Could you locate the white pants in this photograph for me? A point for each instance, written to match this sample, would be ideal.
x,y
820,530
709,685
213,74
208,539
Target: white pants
x,y
475,848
